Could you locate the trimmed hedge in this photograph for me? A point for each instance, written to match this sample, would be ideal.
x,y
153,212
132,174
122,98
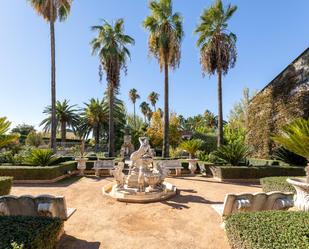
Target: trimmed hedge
x,y
37,172
268,230
5,185
265,162
31,232
278,183
245,172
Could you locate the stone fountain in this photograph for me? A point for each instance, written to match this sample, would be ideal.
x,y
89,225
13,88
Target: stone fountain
x,y
145,180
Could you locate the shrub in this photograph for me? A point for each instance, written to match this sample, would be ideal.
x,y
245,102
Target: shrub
x,y
5,185
268,230
34,139
37,173
276,184
30,232
191,146
232,153
209,141
41,157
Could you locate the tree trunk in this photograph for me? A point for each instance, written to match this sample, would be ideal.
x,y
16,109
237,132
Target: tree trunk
x,y
220,111
97,138
134,116
155,109
166,113
111,137
63,132
53,144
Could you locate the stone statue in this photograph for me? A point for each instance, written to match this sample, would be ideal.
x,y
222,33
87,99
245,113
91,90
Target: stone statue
x,y
119,175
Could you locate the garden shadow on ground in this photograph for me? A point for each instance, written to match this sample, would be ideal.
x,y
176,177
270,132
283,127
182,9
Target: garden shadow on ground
x,y
70,242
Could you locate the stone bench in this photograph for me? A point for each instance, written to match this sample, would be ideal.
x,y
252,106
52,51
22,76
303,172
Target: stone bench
x,y
172,165
100,165
234,203
42,205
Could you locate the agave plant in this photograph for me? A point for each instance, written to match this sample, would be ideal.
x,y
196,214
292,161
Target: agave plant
x,y
41,157
191,146
232,153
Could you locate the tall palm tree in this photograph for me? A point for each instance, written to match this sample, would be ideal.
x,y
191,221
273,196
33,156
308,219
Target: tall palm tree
x,y
6,139
217,48
66,116
110,46
133,96
144,109
153,97
93,116
149,114
165,36
51,11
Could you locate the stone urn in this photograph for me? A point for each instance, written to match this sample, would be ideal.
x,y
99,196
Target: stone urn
x,y
81,164
301,201
192,165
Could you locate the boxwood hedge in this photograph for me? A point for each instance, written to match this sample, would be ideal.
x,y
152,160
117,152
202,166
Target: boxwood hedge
x,y
268,230
276,184
37,172
5,185
31,232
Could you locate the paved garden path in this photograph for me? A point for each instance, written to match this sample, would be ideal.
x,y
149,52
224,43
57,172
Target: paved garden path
x,y
183,222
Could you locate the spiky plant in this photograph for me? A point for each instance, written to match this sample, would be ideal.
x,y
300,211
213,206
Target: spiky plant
x,y
217,48
153,97
51,11
41,157
6,139
191,146
165,37
110,45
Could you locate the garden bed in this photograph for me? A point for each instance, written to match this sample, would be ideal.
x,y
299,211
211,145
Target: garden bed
x,y
5,185
248,173
30,232
276,184
265,230
39,174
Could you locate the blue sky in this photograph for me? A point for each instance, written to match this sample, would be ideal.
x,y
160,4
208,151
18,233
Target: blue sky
x,y
271,33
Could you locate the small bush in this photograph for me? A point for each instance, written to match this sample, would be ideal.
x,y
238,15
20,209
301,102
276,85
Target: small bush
x,y
5,185
34,139
30,232
41,157
268,230
276,184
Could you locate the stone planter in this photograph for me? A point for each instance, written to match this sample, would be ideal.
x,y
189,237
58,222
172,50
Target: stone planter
x,y
301,201
192,165
81,164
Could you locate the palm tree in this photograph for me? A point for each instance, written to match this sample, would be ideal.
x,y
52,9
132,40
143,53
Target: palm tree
x,y
93,117
164,41
110,46
153,97
133,96
217,48
51,11
66,116
144,109
149,114
6,139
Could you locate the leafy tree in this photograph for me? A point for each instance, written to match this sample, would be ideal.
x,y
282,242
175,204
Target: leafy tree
x,y
6,139
137,123
110,46
217,48
174,130
165,36
51,11
153,97
23,130
133,96
67,117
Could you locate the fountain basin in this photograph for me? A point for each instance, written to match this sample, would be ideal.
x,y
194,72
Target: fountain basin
x,y
301,199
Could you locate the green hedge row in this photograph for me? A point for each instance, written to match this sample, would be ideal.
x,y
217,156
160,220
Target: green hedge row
x,y
31,232
268,230
265,162
5,185
278,183
37,173
245,172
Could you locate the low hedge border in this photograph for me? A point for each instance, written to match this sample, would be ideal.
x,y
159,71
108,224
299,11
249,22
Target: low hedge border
x,y
265,162
38,172
5,185
268,230
245,172
30,232
278,183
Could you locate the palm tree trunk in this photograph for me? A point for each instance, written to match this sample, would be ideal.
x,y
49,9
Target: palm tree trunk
x,y
97,138
53,144
166,113
220,111
63,132
134,119
111,139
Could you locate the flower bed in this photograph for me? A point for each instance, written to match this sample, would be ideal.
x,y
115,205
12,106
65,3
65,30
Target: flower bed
x,y
5,185
30,232
265,230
